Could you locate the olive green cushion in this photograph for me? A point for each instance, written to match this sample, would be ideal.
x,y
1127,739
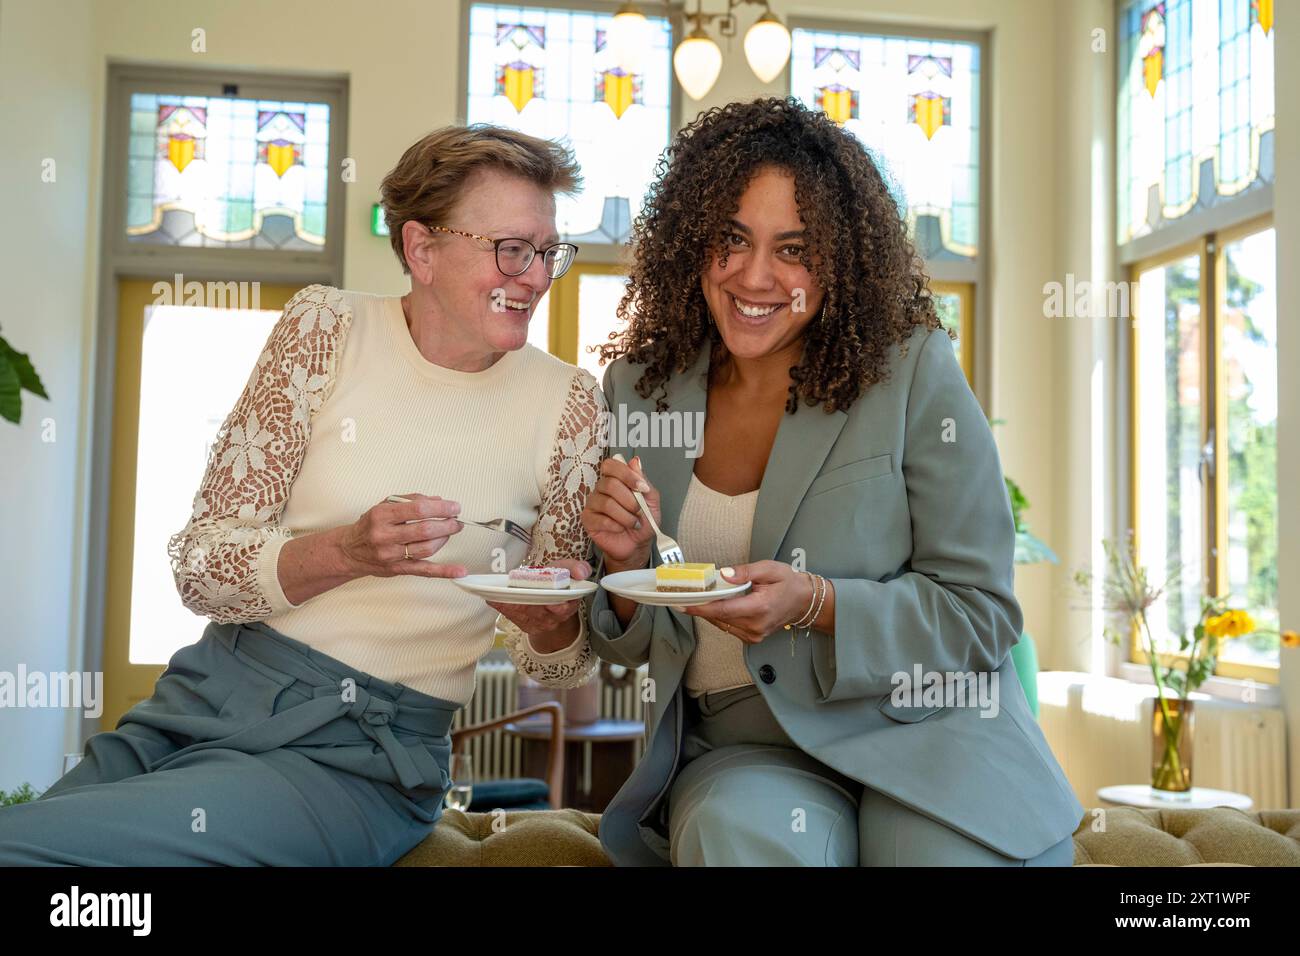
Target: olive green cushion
x,y
1116,836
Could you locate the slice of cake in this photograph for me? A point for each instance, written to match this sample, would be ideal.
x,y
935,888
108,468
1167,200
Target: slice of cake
x,y
686,577
555,579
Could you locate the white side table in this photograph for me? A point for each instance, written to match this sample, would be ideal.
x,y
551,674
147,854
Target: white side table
x,y
1200,798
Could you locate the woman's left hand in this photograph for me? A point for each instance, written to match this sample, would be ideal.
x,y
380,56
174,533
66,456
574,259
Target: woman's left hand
x,y
542,618
780,595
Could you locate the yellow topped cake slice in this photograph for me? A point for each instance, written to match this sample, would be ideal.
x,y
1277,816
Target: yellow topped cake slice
x,y
686,577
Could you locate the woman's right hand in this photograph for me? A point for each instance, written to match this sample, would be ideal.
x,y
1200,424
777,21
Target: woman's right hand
x,y
614,521
379,541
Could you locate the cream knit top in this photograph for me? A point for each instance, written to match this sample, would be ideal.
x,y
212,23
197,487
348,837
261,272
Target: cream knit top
x,y
715,527
343,410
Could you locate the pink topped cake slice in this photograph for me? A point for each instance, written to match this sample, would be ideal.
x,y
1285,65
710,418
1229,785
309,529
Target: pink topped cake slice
x,y
549,578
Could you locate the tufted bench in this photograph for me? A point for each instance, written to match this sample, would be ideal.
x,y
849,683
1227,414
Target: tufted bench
x,y
1119,836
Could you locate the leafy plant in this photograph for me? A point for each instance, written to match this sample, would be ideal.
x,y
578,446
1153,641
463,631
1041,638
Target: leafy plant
x,y
16,373
1029,549
23,794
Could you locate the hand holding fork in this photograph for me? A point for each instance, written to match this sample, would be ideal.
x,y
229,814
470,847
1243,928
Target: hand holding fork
x,y
622,517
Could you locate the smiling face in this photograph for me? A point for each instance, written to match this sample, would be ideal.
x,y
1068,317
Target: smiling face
x,y
490,310
763,297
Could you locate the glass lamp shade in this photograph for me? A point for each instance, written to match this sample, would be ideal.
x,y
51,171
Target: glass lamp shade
x,y
767,47
629,35
697,63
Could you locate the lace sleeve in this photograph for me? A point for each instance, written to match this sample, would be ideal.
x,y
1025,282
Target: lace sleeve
x,y
559,533
224,560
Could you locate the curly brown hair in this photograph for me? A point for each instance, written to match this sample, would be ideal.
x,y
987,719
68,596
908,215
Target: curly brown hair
x,y
877,292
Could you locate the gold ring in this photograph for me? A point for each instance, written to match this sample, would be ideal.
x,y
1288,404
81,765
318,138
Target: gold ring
x,y
406,549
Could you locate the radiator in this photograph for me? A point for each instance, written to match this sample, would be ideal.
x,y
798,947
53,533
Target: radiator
x,y
496,754
1099,728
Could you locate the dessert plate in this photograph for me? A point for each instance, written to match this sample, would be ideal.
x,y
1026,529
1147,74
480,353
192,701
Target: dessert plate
x,y
639,586
493,587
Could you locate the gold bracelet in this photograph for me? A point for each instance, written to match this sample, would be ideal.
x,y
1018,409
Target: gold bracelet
x,y
799,621
826,586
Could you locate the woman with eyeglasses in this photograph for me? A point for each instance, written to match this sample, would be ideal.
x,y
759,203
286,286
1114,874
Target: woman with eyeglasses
x,y
310,723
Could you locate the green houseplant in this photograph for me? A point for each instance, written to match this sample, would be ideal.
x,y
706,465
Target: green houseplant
x,y
20,794
16,374
1029,550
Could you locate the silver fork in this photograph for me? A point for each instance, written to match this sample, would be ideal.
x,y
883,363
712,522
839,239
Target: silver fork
x,y
669,552
496,524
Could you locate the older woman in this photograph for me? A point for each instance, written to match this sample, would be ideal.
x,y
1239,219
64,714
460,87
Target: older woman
x,y
310,722
848,474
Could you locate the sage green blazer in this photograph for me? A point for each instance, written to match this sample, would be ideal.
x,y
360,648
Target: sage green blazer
x,y
900,502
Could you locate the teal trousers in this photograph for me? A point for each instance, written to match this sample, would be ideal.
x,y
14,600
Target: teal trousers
x,y
748,796
253,750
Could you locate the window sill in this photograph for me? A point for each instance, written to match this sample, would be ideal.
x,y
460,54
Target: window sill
x,y
1229,689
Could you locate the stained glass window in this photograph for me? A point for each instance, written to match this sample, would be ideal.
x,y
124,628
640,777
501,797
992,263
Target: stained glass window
x,y
226,172
552,73
1195,107
915,104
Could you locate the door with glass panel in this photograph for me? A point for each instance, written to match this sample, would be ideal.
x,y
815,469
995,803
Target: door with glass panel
x,y
578,313
180,370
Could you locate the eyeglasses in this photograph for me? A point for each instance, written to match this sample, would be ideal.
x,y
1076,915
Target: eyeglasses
x,y
514,256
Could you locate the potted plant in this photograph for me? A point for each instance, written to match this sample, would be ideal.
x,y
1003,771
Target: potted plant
x,y
1029,550
1127,596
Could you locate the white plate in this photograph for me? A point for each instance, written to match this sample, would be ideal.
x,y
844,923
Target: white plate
x,y
639,586
493,587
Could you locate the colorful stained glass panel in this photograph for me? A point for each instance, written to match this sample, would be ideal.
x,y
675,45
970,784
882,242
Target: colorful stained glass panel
x,y
1195,107
229,173
550,73
915,104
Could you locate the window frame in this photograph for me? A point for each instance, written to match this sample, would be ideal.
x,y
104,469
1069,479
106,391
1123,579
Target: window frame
x,y
276,265
1209,248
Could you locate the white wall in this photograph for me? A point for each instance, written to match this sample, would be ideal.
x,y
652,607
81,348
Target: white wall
x,y
46,107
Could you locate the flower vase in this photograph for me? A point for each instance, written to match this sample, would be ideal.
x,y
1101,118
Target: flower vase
x,y
1172,722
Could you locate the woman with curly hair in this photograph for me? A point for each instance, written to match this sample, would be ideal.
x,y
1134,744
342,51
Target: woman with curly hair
x,y
849,475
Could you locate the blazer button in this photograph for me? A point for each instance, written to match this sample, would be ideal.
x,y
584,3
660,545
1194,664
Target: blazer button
x,y
767,674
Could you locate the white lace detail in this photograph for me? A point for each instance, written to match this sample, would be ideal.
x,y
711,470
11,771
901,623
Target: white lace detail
x,y
574,669
255,459
558,531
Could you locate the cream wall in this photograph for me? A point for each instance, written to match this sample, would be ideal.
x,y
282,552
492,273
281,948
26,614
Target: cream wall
x,y
1050,112
1286,218
46,102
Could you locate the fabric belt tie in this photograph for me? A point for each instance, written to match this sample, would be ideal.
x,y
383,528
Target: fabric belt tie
x,y
373,714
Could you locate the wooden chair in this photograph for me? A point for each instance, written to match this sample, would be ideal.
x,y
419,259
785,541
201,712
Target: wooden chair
x,y
554,751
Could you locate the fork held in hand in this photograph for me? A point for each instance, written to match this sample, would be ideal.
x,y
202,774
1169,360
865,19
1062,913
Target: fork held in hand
x,y
669,552
496,524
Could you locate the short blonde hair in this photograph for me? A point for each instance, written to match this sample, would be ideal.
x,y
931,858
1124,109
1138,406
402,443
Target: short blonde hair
x,y
426,183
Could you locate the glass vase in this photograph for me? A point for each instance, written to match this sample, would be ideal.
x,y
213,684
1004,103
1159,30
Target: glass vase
x,y
1172,722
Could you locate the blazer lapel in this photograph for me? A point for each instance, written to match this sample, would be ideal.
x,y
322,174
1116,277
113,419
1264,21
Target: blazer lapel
x,y
670,469
803,440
